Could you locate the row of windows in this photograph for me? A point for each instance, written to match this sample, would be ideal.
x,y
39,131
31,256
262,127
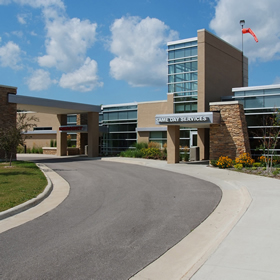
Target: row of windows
x,y
72,119
260,101
120,108
185,108
122,127
182,67
182,77
257,92
185,99
182,87
187,93
122,115
119,136
182,45
182,53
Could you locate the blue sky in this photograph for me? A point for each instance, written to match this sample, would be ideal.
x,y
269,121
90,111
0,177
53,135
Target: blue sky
x,y
107,52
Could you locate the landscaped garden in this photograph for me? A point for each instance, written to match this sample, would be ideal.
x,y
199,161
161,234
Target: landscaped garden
x,y
264,165
19,183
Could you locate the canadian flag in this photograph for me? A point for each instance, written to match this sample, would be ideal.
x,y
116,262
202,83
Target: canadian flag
x,y
249,30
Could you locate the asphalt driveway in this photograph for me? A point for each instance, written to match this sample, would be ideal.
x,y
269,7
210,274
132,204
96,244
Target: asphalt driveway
x,y
117,219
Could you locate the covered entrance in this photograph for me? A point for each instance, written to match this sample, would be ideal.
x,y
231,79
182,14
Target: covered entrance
x,y
10,103
201,121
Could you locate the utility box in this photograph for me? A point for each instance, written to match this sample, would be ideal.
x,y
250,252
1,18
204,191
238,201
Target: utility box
x,y
86,150
194,154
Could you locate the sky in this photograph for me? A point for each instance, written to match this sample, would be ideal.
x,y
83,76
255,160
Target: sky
x,y
110,52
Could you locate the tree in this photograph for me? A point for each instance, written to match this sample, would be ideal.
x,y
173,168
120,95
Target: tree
x,y
14,136
270,136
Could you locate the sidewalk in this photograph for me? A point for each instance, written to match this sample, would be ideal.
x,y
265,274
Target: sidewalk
x,y
240,239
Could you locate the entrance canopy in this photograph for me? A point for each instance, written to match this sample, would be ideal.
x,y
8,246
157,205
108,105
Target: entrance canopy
x,y
50,106
196,120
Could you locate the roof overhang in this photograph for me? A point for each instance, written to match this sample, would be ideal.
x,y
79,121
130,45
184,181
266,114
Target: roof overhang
x,y
195,120
50,106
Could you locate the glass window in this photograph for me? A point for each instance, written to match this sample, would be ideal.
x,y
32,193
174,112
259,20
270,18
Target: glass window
x,y
171,69
171,47
272,101
254,92
113,115
194,51
184,134
171,54
132,114
122,115
187,52
72,119
194,66
272,91
254,102
179,108
171,79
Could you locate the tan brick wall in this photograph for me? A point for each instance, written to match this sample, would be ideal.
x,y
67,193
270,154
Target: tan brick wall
x,y
230,137
39,140
8,111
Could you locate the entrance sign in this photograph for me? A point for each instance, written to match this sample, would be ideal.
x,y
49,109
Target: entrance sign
x,y
73,128
190,119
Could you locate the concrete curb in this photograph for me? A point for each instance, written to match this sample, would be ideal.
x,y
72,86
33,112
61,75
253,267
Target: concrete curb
x,y
32,202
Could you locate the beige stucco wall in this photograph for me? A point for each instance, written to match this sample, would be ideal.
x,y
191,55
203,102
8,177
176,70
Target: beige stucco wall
x,y
148,111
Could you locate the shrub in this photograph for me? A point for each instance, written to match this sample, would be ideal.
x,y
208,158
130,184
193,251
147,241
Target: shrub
x,y
141,145
256,164
263,160
238,166
254,168
154,145
245,159
153,153
276,172
224,162
214,162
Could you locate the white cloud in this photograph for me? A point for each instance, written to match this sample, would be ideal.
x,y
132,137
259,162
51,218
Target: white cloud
x,y
140,49
10,55
40,80
21,19
261,16
67,42
18,33
84,79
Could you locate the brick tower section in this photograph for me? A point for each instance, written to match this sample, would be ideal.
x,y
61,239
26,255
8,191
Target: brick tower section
x,y
8,111
230,137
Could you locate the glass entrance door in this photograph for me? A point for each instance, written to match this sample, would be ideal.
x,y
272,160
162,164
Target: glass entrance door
x,y
193,138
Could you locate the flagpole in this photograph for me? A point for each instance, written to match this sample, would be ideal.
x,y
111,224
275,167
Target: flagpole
x,y
242,22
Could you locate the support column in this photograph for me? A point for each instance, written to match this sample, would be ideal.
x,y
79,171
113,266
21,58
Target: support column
x,y
93,134
203,143
61,137
173,141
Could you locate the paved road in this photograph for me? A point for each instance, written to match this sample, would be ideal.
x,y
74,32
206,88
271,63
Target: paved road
x,y
117,219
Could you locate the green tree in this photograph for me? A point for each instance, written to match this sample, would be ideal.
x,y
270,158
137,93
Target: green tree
x,y
270,135
12,137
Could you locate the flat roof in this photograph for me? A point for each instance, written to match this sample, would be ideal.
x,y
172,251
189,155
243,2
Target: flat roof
x,y
182,41
256,88
50,106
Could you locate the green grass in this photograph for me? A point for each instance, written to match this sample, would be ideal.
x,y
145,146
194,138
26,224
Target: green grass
x,y
19,183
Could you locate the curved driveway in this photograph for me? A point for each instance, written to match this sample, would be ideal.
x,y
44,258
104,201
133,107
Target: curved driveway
x,y
117,219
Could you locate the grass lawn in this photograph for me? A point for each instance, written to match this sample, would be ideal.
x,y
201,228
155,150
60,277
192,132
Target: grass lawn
x,y
19,183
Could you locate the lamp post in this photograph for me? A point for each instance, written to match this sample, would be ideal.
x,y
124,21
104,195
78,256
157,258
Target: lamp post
x,y
242,23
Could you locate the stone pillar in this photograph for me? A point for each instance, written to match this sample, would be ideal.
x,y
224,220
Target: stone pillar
x,y
61,137
230,137
93,134
8,112
173,141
